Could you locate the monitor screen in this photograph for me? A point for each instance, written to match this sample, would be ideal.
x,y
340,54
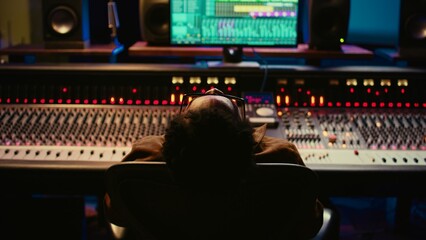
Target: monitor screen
x,y
234,22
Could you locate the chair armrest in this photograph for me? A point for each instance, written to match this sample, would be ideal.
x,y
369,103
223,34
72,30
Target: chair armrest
x,y
330,227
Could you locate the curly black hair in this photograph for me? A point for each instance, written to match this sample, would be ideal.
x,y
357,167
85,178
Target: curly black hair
x,y
209,146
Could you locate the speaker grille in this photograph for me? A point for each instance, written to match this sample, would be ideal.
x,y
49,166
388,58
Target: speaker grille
x,y
66,24
412,32
154,21
62,20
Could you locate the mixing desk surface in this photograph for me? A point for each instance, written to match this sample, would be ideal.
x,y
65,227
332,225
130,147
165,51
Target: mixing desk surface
x,y
357,127
326,138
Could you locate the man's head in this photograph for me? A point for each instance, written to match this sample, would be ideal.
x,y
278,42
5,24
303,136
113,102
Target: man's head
x,y
209,141
214,98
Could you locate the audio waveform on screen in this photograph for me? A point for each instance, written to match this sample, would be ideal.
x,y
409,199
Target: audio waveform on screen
x,y
258,31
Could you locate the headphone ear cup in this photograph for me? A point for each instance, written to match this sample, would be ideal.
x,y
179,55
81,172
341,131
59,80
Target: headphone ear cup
x,y
66,24
154,21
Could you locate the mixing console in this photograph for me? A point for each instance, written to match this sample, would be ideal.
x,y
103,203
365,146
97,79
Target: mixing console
x,y
70,122
327,137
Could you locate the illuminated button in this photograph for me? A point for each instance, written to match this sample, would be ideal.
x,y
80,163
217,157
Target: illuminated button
x,y
177,80
264,111
212,81
195,80
230,81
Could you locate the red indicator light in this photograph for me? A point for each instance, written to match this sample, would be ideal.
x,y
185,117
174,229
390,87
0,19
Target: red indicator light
x,y
121,100
368,90
377,93
416,105
373,104
194,88
138,102
94,101
69,101
51,101
347,104
86,101
296,104
129,102
146,102
338,104
25,100
177,88
299,90
229,88
112,100
17,100
352,90
308,92
282,90
356,104
386,90
34,100
77,101
390,104
7,100
330,104
41,100
64,90
164,102
156,102
407,105
134,90
382,104
424,105
103,101
399,105
402,91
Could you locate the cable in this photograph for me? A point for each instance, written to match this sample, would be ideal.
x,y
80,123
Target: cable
x,y
265,74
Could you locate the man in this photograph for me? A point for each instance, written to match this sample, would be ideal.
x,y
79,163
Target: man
x,y
211,142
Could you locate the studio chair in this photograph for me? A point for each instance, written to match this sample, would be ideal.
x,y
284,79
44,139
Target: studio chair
x,y
266,206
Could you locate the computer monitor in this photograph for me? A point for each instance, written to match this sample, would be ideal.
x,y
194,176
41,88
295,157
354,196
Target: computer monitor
x,y
234,24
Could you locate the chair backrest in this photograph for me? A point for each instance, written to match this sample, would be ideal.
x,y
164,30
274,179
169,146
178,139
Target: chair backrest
x,y
267,206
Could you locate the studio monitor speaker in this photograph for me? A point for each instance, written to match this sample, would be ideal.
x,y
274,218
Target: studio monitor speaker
x,y
154,21
412,28
66,24
328,22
